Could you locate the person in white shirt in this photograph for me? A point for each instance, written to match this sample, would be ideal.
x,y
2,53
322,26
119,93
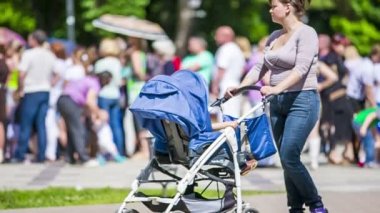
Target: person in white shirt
x,y
230,65
36,69
360,80
52,118
375,55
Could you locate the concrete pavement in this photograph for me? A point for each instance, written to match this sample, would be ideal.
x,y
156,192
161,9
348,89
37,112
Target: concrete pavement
x,y
344,189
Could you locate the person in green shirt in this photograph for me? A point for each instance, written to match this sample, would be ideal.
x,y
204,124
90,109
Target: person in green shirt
x,y
200,60
363,122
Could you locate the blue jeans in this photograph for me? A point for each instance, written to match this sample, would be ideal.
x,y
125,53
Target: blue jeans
x,y
368,143
293,116
112,106
33,109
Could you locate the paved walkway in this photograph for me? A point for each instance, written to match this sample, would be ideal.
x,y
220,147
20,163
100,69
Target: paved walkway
x,y
344,189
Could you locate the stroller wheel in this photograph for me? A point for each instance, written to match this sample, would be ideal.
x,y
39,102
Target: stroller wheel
x,y
250,210
125,210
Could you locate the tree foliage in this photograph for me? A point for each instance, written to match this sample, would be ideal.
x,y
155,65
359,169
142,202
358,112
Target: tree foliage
x,y
358,19
15,16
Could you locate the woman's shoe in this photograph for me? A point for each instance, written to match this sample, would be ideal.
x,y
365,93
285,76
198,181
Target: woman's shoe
x,y
319,210
119,159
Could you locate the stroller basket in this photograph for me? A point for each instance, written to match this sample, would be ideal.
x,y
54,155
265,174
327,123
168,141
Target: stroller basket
x,y
190,203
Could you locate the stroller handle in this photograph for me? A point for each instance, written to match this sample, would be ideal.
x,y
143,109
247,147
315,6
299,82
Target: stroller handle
x,y
220,101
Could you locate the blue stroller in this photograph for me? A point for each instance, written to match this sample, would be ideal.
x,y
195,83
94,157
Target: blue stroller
x,y
175,110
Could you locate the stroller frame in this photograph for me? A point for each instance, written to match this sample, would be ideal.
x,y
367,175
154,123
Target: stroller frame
x,y
228,136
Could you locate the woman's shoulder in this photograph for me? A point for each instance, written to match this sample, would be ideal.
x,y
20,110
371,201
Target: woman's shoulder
x,y
275,34
307,30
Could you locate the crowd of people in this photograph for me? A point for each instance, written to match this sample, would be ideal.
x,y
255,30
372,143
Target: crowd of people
x,y
74,106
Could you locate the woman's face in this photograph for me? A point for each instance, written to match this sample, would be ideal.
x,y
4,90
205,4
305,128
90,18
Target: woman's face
x,y
278,11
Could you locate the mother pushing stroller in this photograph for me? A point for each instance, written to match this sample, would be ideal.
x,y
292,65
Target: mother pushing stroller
x,y
291,58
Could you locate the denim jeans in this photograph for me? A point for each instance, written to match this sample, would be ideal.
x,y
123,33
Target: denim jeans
x,y
112,106
33,110
293,116
368,143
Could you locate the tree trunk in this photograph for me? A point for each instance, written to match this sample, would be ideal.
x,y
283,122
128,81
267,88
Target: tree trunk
x,y
183,26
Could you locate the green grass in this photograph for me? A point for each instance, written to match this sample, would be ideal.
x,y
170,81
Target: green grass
x,y
11,199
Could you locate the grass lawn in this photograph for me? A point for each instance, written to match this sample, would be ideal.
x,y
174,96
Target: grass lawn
x,y
11,199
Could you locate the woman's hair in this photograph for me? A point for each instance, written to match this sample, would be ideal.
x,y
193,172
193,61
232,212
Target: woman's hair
x,y
58,49
109,47
165,48
299,5
4,69
375,51
351,53
244,45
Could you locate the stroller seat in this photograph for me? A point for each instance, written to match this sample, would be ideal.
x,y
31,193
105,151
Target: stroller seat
x,y
177,143
179,152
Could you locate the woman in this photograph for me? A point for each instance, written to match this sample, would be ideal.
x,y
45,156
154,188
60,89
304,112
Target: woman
x,y
136,75
52,120
291,56
109,95
78,96
4,72
327,77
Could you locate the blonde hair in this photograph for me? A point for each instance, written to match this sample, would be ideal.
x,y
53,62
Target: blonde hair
x,y
351,53
109,47
244,45
165,48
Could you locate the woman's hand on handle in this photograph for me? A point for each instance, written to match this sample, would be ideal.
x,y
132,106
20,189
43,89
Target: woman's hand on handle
x,y
269,90
230,92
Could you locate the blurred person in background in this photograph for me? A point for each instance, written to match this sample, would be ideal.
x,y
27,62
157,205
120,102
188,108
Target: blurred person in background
x,y
335,129
326,78
365,121
13,55
136,75
52,118
199,60
105,141
109,95
36,69
77,65
375,53
77,97
165,51
375,57
4,72
230,65
360,80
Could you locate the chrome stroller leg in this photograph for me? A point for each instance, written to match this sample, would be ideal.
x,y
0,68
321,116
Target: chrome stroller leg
x,y
232,142
123,206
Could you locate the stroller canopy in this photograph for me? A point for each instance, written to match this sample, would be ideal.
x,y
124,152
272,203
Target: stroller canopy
x,y
180,98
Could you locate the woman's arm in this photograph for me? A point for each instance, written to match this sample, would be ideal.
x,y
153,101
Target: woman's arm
x,y
253,76
222,125
137,66
330,76
367,122
91,101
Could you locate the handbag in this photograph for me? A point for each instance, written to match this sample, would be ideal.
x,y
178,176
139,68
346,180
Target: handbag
x,y
255,135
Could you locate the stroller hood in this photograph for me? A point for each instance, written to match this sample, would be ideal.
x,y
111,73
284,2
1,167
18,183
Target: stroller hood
x,y
180,98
